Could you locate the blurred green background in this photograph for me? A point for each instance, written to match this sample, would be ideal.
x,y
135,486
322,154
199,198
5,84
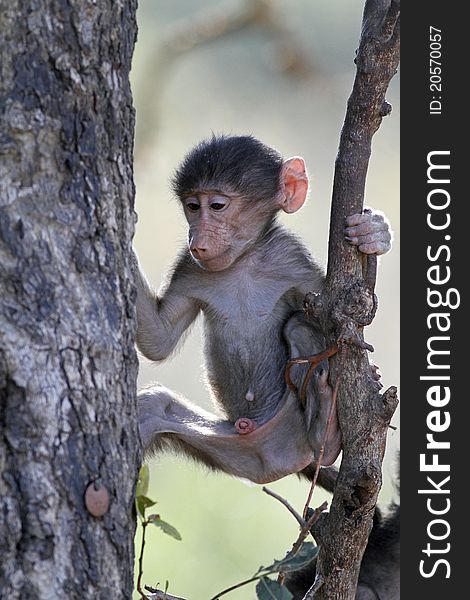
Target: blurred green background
x,y
284,74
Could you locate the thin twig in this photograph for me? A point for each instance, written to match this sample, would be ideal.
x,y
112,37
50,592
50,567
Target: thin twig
x,y
322,449
235,587
313,361
141,563
315,587
305,530
282,500
156,594
308,526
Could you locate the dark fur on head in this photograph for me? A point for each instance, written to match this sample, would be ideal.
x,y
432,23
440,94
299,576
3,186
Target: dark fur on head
x,y
233,164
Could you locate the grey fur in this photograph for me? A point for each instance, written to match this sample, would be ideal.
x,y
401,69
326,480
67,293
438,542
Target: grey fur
x,y
253,323
249,277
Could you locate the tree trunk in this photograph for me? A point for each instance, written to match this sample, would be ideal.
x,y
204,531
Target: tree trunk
x,y
69,450
346,305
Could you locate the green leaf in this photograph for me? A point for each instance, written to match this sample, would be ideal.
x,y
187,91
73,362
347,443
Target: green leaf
x,y
267,589
304,556
164,526
141,503
143,481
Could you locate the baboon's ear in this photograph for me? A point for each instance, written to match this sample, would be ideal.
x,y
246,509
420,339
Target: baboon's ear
x,y
294,185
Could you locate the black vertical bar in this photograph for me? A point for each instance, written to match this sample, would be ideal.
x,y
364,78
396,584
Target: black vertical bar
x,y
435,272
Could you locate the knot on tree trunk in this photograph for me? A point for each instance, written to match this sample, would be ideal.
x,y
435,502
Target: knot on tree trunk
x,y
351,310
389,403
363,490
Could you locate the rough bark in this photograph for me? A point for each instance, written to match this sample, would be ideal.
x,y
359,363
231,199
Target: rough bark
x,y
348,304
67,361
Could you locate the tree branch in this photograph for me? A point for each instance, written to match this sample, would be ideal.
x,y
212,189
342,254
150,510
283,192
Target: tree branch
x,y
346,305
